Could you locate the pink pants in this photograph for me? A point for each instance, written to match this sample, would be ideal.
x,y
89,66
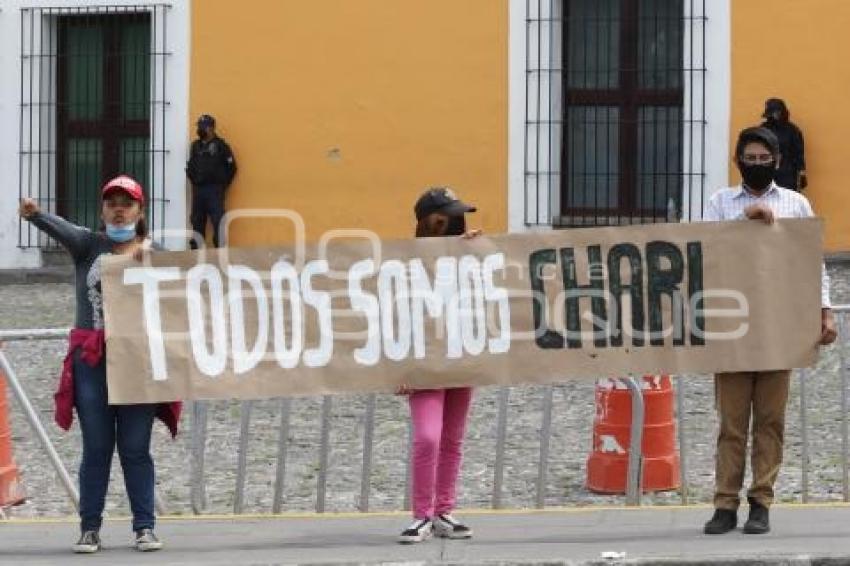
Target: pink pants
x,y
439,424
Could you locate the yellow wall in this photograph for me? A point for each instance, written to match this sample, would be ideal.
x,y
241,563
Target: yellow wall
x,y
796,50
346,110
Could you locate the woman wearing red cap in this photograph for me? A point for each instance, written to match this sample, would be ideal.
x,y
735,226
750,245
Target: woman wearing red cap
x,y
83,381
439,415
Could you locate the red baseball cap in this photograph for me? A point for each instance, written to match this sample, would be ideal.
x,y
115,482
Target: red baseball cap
x,y
126,184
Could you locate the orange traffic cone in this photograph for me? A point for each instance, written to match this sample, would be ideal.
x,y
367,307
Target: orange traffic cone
x,y
608,463
11,488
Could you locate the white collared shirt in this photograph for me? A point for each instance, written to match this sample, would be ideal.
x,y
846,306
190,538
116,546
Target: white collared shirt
x,y
729,204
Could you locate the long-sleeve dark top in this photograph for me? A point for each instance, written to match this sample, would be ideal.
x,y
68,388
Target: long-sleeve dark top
x,y
211,163
86,248
792,148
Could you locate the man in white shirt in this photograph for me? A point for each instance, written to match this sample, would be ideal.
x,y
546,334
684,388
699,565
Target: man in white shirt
x,y
761,395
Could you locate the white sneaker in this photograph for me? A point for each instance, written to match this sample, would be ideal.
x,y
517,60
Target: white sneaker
x,y
146,541
417,532
447,526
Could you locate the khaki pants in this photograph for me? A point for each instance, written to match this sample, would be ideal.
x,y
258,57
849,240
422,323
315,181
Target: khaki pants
x,y
762,395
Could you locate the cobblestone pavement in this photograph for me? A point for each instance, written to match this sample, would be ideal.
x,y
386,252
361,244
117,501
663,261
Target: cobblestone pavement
x,y
37,364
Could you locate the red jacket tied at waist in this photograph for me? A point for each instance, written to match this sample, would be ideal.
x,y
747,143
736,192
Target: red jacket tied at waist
x,y
92,346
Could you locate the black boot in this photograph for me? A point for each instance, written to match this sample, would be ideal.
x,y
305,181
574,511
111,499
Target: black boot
x,y
723,521
758,522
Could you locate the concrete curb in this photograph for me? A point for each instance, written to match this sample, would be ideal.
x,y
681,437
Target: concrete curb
x,y
800,560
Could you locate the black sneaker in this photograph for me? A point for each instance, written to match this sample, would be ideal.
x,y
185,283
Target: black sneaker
x,y
89,543
758,523
447,526
723,521
146,541
417,532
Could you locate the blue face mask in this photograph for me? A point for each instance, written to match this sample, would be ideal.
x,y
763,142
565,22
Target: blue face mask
x,y
121,234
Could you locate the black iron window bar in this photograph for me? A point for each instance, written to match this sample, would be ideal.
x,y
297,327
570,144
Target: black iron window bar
x,y
93,104
609,136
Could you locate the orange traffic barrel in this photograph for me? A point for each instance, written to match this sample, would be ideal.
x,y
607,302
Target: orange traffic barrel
x,y
11,488
608,463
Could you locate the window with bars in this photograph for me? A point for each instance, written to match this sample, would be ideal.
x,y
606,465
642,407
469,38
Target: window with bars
x,y
612,131
93,100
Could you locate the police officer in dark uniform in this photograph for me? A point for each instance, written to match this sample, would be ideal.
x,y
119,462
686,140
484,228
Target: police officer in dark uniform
x,y
210,169
792,165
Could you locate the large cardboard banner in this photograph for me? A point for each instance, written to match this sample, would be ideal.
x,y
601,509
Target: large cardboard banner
x,y
352,316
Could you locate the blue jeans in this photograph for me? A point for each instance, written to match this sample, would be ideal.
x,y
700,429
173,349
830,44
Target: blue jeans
x,y
102,425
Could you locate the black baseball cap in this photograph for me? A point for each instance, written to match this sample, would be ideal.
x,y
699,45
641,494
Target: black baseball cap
x,y
772,105
443,200
206,120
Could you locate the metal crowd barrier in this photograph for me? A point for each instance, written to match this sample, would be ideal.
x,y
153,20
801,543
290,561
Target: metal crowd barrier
x,y
198,415
31,414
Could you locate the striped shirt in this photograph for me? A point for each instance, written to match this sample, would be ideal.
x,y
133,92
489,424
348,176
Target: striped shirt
x,y
730,203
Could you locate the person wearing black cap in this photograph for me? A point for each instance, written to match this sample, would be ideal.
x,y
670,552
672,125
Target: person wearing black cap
x,y
761,395
210,169
792,169
439,415
440,213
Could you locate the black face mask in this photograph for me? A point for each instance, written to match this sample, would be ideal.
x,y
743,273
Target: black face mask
x,y
457,226
757,177
201,132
